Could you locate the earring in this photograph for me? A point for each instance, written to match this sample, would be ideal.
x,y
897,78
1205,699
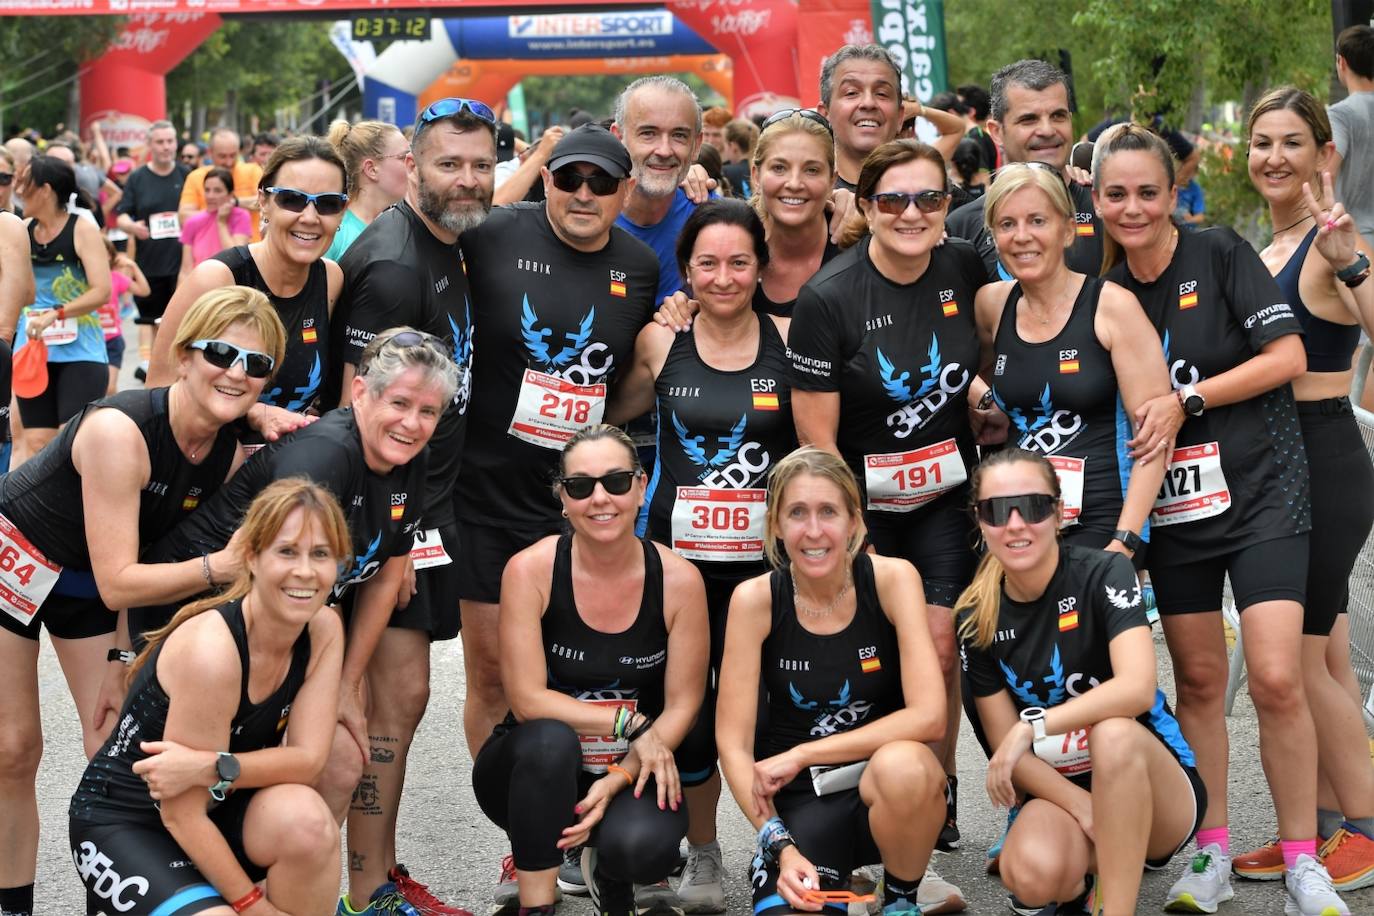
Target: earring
x,y
565,513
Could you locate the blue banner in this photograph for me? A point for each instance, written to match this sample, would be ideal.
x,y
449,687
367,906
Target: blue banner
x,y
624,33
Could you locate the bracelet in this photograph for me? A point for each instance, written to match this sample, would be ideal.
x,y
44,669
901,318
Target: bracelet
x,y
622,718
638,732
205,569
61,313
771,828
1357,279
247,899
617,768
124,656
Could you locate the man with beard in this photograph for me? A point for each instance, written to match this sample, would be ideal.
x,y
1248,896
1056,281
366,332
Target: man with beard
x,y
560,293
659,121
406,269
1031,122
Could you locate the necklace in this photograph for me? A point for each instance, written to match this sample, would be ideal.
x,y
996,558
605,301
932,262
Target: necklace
x,y
816,612
1291,225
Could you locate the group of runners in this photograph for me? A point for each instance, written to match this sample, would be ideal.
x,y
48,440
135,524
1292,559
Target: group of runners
x,y
899,457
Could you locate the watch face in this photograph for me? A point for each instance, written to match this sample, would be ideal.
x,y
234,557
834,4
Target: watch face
x,y
227,766
1193,404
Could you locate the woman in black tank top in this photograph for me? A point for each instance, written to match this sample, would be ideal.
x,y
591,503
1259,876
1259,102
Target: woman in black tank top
x,y
1072,361
194,771
289,266
1314,242
603,653
838,641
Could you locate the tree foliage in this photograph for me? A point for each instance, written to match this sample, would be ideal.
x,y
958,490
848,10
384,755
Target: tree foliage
x,y
41,56
555,95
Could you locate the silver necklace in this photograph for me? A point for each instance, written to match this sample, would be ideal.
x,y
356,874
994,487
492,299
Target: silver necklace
x,y
816,612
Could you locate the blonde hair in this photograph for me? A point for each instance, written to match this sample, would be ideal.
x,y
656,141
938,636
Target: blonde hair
x,y
792,124
261,525
217,309
809,461
982,600
1017,175
358,142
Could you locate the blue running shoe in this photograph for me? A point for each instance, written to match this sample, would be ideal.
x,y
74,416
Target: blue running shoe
x,y
385,899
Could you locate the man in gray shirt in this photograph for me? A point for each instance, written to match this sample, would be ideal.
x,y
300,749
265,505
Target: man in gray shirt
x,y
1352,126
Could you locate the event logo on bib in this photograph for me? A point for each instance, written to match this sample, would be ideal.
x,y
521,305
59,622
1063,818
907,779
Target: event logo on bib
x,y
939,383
1049,430
574,361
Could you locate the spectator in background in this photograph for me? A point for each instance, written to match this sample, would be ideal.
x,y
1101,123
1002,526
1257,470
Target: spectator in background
x,y
111,193
264,145
189,155
1191,210
968,178
708,157
224,153
374,153
7,176
1352,126
713,121
741,135
222,224
980,109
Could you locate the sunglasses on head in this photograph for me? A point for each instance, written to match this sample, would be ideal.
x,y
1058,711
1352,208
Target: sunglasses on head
x,y
569,181
894,203
223,355
329,204
809,114
1033,507
616,483
447,108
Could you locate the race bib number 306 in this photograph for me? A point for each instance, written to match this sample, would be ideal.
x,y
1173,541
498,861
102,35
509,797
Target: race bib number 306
x,y
718,524
903,481
1194,486
549,411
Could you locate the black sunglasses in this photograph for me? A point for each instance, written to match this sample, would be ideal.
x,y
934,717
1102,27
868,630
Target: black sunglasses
x,y
616,483
894,203
809,114
1034,507
223,355
446,108
329,204
568,181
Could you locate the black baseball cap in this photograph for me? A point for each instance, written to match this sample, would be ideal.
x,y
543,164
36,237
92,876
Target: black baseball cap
x,y
595,144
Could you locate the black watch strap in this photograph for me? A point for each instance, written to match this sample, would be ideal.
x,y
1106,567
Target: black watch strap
x,y
1129,539
126,656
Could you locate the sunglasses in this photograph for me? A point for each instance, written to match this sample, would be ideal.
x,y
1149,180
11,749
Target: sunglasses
x,y
1034,507
568,181
330,204
616,483
809,114
6,179
447,108
223,355
894,203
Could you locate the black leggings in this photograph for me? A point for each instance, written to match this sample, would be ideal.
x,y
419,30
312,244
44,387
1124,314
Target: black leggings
x,y
71,386
831,831
527,779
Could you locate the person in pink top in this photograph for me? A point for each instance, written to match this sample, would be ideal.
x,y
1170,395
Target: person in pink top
x,y
125,278
222,224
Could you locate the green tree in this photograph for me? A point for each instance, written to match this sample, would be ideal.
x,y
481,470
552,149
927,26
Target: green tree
x,y
42,57
555,95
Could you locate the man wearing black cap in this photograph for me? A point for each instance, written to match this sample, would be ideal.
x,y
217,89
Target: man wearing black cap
x,y
559,294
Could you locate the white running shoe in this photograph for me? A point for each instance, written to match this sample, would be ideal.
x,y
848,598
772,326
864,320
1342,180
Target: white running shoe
x,y
1204,885
936,895
1310,892
702,889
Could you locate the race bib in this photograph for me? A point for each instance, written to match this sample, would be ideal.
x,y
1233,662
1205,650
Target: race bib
x,y
60,332
599,752
1194,486
711,523
903,481
428,550
1070,474
550,411
1067,753
26,576
164,226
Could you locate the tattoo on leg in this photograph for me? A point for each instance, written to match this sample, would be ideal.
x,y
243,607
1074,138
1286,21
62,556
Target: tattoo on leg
x,y
383,755
365,796
355,861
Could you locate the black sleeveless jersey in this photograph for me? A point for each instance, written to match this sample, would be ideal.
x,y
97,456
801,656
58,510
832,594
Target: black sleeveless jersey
x,y
766,306
901,358
1062,400
303,369
397,273
1238,474
43,497
822,685
557,325
111,793
1084,255
1050,650
609,669
719,434
383,510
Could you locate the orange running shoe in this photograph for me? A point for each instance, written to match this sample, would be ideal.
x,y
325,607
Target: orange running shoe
x,y
1263,864
1349,858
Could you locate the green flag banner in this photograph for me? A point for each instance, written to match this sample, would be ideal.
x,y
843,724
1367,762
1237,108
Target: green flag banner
x,y
913,32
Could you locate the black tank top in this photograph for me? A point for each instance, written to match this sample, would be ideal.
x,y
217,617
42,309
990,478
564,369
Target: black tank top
x,y
824,685
1062,399
610,669
306,317
1330,345
43,497
110,793
720,432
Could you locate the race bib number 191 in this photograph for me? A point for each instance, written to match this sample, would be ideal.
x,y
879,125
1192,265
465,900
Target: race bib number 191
x,y
549,411
903,481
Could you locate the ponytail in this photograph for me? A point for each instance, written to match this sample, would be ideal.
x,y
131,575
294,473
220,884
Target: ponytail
x,y
982,600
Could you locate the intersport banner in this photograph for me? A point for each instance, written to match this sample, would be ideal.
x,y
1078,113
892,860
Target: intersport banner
x,y
913,31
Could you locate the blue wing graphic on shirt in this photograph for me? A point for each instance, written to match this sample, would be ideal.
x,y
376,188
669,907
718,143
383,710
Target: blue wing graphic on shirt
x,y
1166,347
691,445
896,388
931,370
363,559
306,393
730,443
798,700
577,340
534,335
1022,689
462,355
1043,413
462,342
843,698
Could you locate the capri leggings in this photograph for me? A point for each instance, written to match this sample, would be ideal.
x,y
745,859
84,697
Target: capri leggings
x,y
635,841
71,386
831,831
1342,507
937,539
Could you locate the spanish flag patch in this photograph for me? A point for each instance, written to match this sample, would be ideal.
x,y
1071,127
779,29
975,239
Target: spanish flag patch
x,y
1068,366
950,309
190,503
1085,230
870,665
1068,621
1188,301
764,401
618,289
309,336
397,512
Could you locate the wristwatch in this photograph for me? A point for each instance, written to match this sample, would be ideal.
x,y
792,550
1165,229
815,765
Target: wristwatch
x,y
774,838
1191,401
126,656
986,400
227,769
1034,716
1357,267
1129,539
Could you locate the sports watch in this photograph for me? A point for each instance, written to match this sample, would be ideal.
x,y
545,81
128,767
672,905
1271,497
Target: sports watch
x,y
1034,716
1192,402
1129,539
227,769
